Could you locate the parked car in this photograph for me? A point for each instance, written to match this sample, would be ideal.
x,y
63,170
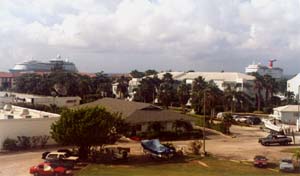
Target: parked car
x,y
240,119
260,161
286,165
46,169
44,154
61,159
275,139
252,120
68,152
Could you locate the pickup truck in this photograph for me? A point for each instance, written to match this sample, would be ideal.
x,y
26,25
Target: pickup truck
x,y
61,159
275,139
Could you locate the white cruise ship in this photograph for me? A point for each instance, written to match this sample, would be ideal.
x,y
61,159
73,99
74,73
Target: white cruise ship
x,y
38,66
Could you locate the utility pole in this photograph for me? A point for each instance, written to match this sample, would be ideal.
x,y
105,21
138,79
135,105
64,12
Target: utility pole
x,y
203,135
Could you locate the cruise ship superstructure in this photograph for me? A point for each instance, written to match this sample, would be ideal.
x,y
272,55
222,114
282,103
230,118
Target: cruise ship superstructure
x,y
38,66
275,72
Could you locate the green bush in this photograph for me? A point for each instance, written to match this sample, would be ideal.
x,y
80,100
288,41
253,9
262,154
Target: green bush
x,y
24,142
10,144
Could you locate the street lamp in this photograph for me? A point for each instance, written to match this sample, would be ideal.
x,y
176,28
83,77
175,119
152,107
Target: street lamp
x,y
203,135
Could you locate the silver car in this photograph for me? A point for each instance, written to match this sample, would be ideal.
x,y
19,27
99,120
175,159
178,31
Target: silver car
x,y
286,165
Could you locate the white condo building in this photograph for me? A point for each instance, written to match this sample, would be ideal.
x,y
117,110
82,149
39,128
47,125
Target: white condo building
x,y
242,82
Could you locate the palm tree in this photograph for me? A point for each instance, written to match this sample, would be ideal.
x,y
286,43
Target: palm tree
x,y
166,90
271,87
183,93
296,155
102,84
258,87
213,96
198,87
122,87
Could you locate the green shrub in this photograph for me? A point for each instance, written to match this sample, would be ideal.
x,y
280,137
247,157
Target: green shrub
x,y
24,142
10,144
43,140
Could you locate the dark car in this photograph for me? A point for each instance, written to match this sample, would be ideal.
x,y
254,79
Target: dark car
x,y
260,161
252,120
275,139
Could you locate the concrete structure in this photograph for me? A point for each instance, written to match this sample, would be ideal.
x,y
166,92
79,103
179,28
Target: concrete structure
x,y
293,85
37,99
274,72
17,121
287,114
7,80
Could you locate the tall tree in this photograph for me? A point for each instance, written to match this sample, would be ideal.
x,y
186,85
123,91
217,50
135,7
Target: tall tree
x,y
147,90
198,87
122,87
258,88
150,72
102,84
88,127
166,90
183,94
137,74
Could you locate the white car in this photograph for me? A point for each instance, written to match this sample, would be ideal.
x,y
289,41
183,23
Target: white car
x,y
286,165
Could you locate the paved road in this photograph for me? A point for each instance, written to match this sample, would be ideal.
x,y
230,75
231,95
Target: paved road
x,y
18,164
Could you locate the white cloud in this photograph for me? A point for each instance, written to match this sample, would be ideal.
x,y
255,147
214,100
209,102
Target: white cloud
x,y
201,34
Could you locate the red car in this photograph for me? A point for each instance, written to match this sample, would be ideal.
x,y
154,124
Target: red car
x,y
45,169
260,161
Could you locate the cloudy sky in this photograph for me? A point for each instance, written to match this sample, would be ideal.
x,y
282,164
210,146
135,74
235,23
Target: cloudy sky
x,y
122,35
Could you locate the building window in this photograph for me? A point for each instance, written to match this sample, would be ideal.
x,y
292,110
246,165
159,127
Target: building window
x,y
296,114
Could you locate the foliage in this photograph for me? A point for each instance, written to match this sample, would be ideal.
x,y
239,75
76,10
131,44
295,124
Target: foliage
x,y
199,85
146,91
183,93
137,74
10,144
195,147
102,84
88,127
43,140
170,135
167,90
150,72
122,87
23,142
296,155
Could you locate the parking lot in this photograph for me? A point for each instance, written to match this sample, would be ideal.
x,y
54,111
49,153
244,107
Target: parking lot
x,y
242,146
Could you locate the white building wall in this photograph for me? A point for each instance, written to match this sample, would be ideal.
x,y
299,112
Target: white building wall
x,y
288,117
293,85
26,127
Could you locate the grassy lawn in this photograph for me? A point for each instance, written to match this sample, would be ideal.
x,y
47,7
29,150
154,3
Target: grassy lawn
x,y
206,167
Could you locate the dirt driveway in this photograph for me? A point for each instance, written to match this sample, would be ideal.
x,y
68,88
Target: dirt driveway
x,y
243,146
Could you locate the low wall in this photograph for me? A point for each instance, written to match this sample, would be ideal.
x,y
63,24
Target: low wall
x,y
12,128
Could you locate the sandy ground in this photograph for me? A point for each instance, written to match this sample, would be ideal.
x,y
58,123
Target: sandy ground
x,y
243,146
